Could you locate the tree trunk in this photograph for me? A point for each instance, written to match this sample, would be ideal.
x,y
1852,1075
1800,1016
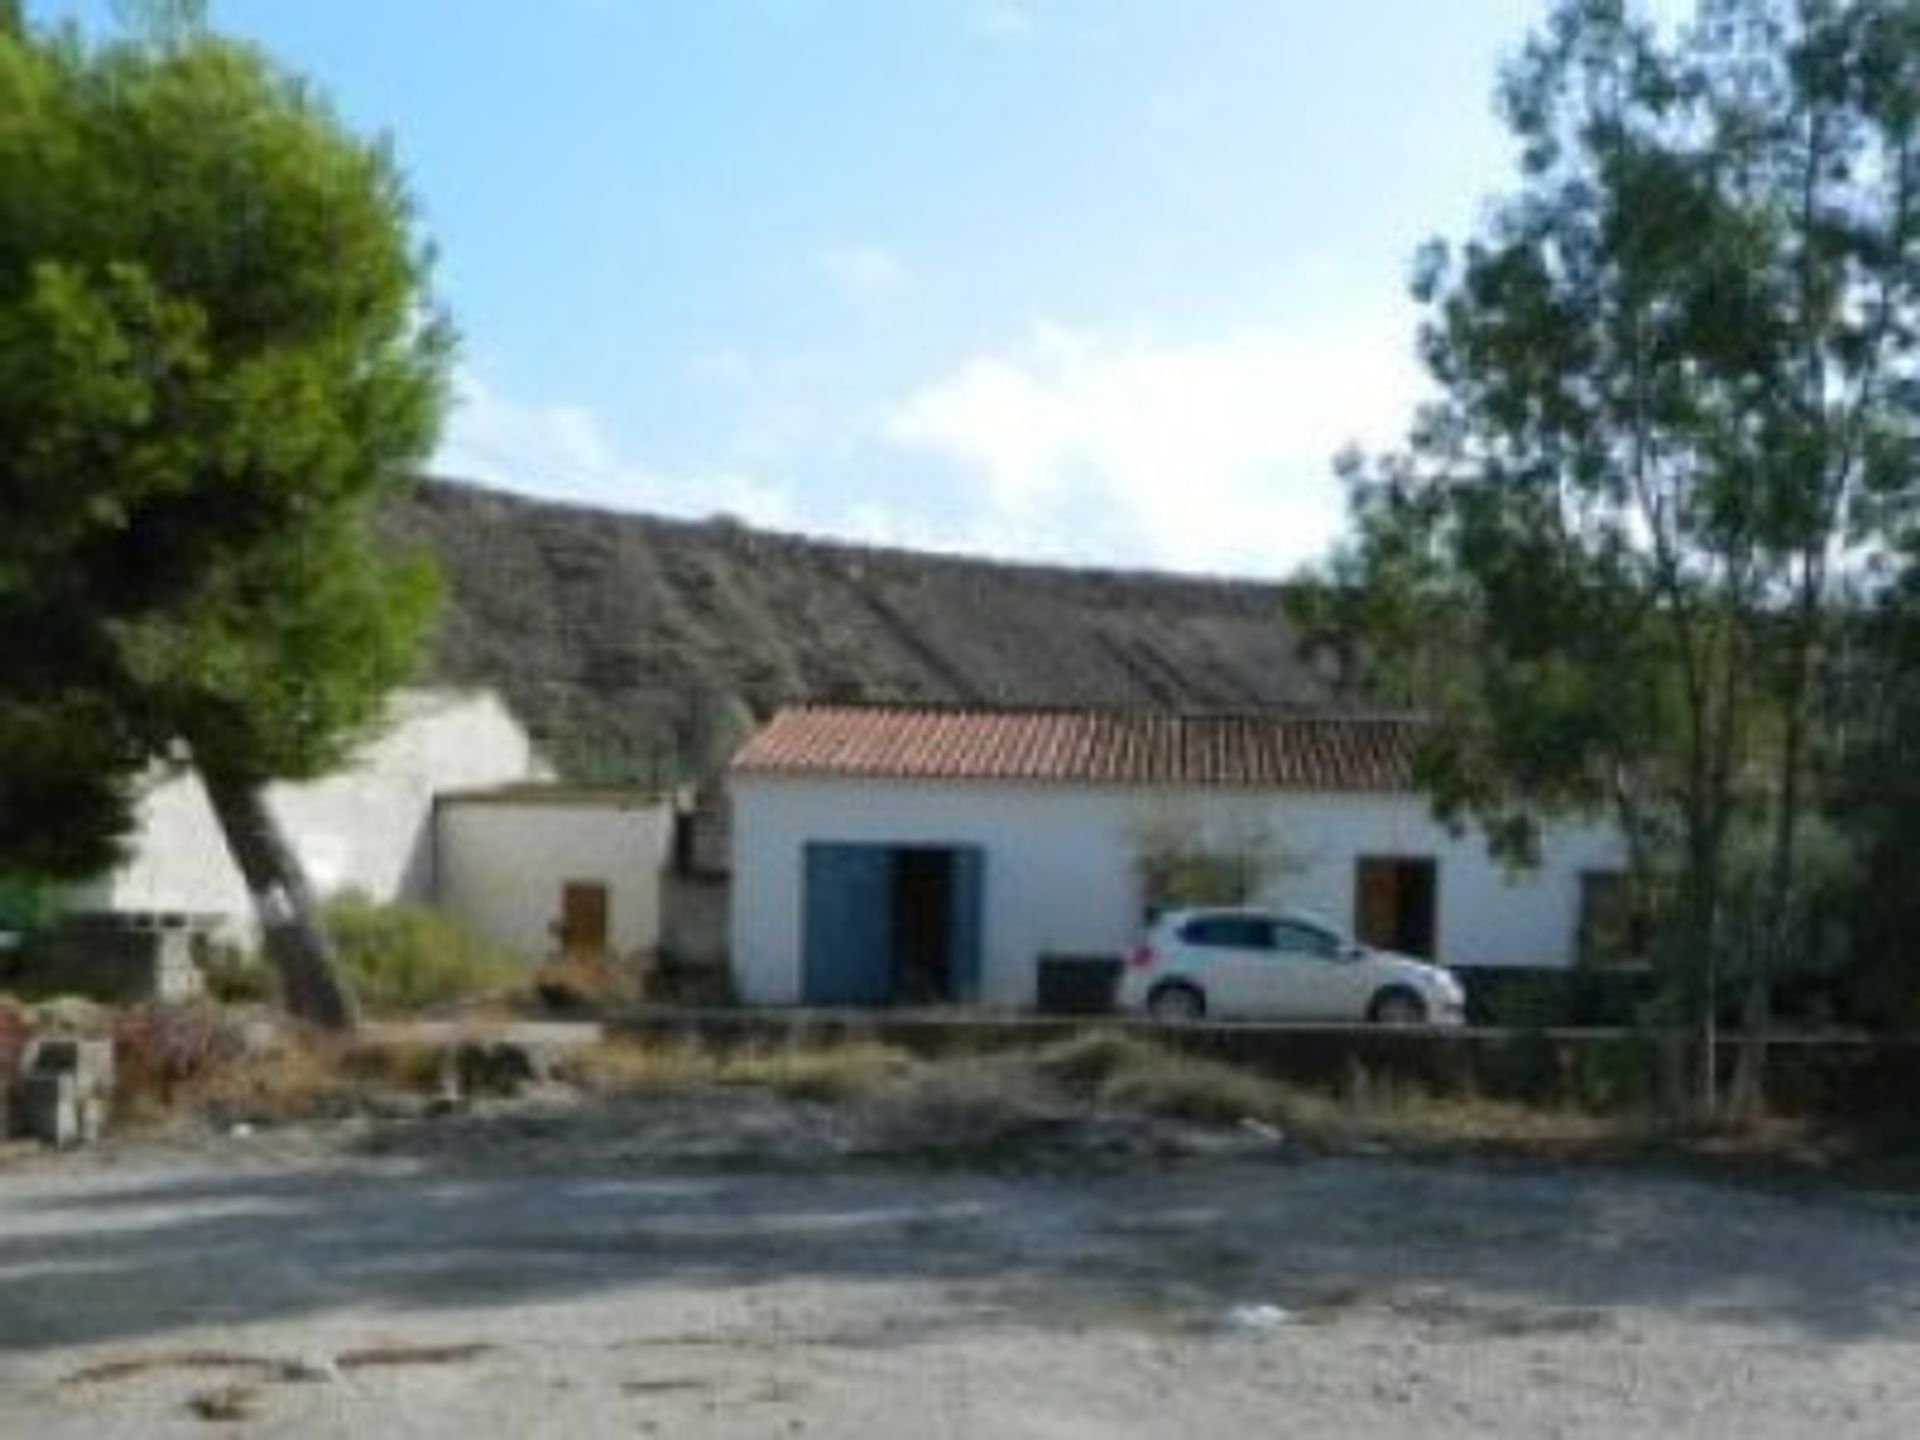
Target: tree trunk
x,y
1701,887
294,936
1778,936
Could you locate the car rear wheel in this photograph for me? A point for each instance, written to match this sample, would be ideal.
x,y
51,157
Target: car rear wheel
x,y
1177,1004
1397,1007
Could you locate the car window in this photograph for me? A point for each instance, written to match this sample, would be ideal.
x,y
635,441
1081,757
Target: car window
x,y
1228,932
1295,938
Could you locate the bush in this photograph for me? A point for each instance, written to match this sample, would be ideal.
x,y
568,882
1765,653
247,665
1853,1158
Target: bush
x,y
402,958
25,905
235,977
1127,1073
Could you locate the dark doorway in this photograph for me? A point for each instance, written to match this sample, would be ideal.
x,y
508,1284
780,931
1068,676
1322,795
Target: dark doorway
x,y
1396,903
890,924
923,926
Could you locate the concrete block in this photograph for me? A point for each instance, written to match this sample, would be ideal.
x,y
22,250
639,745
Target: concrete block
x,y
47,1108
65,1091
90,1116
90,1062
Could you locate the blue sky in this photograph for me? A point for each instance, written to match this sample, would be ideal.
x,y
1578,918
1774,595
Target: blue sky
x,y
1105,281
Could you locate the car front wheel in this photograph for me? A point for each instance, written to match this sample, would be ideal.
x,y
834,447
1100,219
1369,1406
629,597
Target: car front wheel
x,y
1177,1004
1397,1007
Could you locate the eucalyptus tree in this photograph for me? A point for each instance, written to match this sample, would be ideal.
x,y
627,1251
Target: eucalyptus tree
x,y
1672,439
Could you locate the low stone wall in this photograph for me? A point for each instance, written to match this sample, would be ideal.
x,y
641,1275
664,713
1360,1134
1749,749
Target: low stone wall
x,y
112,960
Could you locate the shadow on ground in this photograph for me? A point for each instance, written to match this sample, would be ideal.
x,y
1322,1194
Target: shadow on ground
x,y
518,1209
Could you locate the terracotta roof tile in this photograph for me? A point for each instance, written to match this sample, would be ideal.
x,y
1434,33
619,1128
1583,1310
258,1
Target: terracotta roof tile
x,y
1293,750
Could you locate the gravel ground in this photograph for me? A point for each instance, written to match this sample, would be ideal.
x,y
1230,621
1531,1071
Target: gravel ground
x,y
620,1271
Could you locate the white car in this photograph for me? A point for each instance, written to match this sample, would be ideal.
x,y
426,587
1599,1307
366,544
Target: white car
x,y
1276,965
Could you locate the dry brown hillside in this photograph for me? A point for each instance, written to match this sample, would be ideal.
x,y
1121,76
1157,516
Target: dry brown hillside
x,y
639,647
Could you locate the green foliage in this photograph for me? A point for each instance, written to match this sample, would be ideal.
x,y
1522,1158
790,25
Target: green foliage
x,y
1178,863
1619,1073
67,769
1521,1064
1534,1000
1880,807
217,355
403,958
25,904
1675,431
235,977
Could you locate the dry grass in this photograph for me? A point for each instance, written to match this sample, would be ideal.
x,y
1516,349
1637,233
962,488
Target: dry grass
x,y
1104,1070
177,1064
416,1066
835,1072
630,1067
851,1070
299,1080
197,1064
1126,1072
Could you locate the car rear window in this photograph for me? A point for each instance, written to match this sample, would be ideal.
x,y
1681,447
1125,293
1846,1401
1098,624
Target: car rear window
x,y
1228,932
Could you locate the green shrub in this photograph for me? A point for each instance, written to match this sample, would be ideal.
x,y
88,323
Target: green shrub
x,y
25,905
1619,1073
1529,1000
235,977
401,958
1521,1065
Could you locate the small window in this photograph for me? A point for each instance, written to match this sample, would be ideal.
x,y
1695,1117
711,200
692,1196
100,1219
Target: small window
x,y
1613,925
1297,939
1229,932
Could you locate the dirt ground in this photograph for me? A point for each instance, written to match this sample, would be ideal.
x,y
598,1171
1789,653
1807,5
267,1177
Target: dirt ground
x,y
689,1269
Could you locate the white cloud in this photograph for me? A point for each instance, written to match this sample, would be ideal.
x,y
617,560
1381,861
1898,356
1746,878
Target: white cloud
x,y
1212,455
863,273
566,451
1006,20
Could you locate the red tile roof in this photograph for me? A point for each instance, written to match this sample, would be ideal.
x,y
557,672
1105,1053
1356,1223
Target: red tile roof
x,y
1290,750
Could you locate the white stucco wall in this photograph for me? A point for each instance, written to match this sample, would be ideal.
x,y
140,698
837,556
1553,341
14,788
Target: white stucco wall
x,y
367,828
1060,870
502,864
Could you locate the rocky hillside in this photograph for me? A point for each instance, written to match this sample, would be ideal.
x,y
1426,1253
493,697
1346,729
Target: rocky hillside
x,y
638,647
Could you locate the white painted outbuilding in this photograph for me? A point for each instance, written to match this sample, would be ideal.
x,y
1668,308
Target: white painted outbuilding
x,y
884,854
367,828
555,869
450,805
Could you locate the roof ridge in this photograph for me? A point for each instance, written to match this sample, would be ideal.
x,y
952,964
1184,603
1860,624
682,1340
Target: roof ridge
x,y
1296,710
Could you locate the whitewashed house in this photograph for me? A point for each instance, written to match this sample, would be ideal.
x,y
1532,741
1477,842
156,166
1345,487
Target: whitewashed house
x,y
885,853
449,805
555,869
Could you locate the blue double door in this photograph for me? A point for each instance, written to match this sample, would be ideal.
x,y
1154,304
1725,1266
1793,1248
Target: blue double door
x,y
892,924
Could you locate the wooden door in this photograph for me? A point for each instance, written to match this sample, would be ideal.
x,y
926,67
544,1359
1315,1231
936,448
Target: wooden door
x,y
1376,902
583,919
